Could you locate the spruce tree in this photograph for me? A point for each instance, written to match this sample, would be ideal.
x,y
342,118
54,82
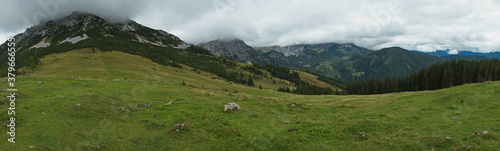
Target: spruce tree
x,y
250,82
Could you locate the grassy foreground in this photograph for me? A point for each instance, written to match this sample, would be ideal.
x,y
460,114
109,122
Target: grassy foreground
x,y
89,114
49,119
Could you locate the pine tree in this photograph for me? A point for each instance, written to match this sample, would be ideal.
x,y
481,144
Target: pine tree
x,y
447,80
250,82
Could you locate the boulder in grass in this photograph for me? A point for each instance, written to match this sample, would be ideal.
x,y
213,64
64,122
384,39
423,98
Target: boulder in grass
x,y
362,135
231,106
485,133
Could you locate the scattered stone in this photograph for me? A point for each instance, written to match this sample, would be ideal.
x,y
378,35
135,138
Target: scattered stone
x,y
157,115
485,133
169,103
178,125
362,135
448,138
477,134
454,118
32,146
148,104
78,105
44,113
469,147
122,109
40,82
293,105
95,146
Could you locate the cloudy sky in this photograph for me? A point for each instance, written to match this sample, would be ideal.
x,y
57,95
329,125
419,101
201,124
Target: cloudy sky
x,y
424,25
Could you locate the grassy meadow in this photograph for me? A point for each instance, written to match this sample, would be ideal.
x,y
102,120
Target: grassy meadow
x,y
97,113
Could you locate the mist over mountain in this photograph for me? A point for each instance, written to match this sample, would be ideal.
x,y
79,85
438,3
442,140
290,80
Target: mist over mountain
x,y
80,26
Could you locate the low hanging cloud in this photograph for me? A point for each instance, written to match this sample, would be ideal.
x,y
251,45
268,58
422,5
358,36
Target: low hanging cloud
x,y
425,25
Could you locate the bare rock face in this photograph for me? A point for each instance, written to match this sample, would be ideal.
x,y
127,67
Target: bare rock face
x,y
295,50
234,49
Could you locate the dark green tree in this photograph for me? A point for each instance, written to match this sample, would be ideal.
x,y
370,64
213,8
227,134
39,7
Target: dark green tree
x,y
250,82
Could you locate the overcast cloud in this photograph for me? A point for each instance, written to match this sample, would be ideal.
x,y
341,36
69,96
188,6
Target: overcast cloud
x,y
424,25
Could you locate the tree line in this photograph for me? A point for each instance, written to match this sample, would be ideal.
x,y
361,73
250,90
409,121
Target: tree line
x,y
437,76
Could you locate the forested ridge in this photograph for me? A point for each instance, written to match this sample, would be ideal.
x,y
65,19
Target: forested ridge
x,y
437,76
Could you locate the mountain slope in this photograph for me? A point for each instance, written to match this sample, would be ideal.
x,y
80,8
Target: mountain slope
x,y
235,49
395,61
83,30
462,57
131,38
329,59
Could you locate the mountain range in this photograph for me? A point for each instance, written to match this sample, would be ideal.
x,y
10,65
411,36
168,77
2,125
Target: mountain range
x,y
464,54
344,61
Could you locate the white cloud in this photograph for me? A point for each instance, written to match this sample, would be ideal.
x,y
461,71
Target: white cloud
x,y
428,48
453,52
422,25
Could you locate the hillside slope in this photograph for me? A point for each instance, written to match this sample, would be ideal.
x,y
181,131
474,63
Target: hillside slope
x,y
395,61
114,115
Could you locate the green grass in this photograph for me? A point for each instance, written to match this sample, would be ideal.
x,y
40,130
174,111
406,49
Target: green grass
x,y
48,119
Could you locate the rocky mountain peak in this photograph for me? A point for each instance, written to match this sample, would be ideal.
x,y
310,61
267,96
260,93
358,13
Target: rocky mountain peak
x,y
82,25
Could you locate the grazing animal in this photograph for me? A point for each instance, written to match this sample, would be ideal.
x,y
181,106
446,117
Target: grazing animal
x,y
230,106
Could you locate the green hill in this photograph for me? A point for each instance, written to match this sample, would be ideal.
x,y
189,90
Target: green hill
x,y
395,61
63,114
